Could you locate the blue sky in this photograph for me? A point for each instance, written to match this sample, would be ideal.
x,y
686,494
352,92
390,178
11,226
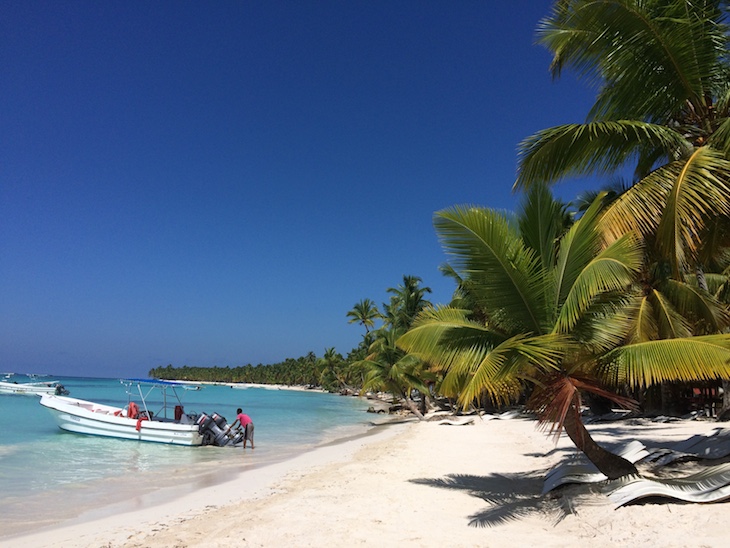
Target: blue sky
x,y
218,183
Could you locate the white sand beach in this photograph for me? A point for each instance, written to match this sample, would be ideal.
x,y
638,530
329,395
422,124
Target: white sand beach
x,y
410,484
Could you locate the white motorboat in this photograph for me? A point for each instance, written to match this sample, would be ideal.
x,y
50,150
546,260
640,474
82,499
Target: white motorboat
x,y
167,423
32,388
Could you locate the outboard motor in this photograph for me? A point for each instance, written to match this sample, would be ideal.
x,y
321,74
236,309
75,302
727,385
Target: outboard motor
x,y
233,437
213,429
61,390
203,423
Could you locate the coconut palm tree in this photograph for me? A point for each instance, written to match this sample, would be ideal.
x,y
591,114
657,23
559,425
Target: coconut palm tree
x,y
554,309
365,312
388,368
662,110
406,302
663,113
331,370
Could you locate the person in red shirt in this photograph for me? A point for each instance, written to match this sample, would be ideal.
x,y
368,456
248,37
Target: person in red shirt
x,y
247,425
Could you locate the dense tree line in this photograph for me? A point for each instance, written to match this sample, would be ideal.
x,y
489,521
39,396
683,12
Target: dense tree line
x,y
330,372
292,371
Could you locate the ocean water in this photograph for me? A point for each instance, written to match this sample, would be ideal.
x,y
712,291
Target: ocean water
x,y
48,475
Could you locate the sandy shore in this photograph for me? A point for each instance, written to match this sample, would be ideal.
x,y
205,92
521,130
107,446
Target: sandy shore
x,y
413,484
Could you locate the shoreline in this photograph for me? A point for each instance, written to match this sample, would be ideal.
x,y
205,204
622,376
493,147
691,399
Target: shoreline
x,y
380,399
245,385
416,484
218,486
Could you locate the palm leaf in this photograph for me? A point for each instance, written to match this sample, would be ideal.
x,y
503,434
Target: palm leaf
x,y
640,207
577,248
562,393
645,323
671,324
676,201
541,223
607,323
699,191
489,250
612,270
688,359
591,148
692,302
672,50
720,139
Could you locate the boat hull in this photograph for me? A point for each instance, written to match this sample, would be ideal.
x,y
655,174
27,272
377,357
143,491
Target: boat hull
x,y
83,417
27,389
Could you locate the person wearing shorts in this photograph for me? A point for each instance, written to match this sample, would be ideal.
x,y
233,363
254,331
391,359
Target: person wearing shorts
x,y
246,424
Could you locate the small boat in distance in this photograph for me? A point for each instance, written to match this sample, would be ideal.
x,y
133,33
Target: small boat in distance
x,y
31,388
164,422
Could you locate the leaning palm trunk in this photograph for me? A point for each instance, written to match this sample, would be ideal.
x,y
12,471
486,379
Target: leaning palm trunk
x,y
609,464
414,408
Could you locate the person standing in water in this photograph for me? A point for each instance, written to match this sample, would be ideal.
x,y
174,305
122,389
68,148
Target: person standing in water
x,y
246,424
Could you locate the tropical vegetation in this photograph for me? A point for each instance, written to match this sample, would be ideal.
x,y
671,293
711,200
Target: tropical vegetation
x,y
661,111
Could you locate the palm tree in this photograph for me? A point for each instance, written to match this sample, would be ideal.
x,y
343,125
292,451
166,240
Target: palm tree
x,y
388,369
662,111
330,368
406,302
554,308
365,312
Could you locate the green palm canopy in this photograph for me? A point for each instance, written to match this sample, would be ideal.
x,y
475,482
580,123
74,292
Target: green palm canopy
x,y
661,72
550,309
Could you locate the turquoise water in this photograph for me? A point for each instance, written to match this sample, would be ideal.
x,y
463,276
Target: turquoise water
x,y
54,475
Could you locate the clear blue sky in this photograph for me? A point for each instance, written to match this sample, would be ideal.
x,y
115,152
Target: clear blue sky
x,y
218,183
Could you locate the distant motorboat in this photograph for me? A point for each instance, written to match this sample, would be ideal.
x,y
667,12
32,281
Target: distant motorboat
x,y
167,424
32,388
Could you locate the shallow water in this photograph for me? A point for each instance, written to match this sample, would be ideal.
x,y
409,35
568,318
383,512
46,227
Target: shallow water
x,y
47,475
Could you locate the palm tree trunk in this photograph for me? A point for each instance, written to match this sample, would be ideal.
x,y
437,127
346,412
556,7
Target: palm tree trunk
x,y
724,413
413,408
424,404
612,466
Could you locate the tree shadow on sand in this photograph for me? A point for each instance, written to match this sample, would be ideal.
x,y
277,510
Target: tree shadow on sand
x,y
511,497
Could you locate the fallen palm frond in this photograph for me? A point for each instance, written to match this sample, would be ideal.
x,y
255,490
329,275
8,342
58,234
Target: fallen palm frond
x,y
709,485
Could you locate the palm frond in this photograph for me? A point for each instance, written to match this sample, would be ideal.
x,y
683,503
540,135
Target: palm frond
x,y
612,270
672,50
498,372
562,393
676,201
607,323
699,191
577,248
591,148
688,359
645,324
640,207
670,322
692,302
720,139
488,249
542,221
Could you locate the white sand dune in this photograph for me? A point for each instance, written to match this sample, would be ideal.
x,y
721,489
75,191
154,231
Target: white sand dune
x,y
411,484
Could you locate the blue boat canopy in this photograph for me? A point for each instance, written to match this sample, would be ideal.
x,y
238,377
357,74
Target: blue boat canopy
x,y
159,382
